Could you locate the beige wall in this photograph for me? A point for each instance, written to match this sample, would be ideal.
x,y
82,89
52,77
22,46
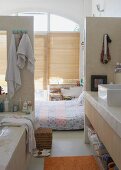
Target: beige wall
x,y
95,28
10,23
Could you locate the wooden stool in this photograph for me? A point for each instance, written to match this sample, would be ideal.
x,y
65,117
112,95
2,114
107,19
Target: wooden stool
x,y
43,138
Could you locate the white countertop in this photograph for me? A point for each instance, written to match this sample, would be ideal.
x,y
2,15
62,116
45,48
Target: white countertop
x,y
6,114
112,115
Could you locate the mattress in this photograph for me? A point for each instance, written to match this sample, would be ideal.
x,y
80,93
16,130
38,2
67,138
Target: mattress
x,y
60,115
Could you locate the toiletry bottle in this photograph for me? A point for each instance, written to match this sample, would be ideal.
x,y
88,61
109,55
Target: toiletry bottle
x,y
20,104
1,106
6,105
25,106
15,107
30,106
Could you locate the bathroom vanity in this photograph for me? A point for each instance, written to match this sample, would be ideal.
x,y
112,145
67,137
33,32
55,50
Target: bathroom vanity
x,y
106,120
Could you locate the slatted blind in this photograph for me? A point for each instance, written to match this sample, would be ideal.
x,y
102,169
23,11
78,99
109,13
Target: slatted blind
x,y
3,59
40,52
64,55
57,56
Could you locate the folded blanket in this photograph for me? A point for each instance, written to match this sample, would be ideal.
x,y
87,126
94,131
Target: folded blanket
x,y
22,121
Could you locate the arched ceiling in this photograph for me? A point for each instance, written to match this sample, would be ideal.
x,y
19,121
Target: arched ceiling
x,y
72,9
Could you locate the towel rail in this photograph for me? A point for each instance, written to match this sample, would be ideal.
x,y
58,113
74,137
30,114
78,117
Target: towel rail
x,y
19,31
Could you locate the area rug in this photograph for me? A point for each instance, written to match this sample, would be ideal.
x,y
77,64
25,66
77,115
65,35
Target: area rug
x,y
71,163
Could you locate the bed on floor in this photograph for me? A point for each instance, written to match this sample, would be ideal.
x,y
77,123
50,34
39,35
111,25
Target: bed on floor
x,y
61,115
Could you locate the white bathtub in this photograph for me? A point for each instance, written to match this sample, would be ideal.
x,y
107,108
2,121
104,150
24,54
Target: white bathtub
x,y
13,149
13,152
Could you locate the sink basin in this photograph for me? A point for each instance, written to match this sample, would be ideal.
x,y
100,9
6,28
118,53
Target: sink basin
x,y
111,93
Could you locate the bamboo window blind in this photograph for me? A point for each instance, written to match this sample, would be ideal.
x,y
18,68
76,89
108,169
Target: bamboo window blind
x,y
3,59
64,55
40,52
57,56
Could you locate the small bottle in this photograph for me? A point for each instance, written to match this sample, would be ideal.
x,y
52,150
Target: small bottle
x,y
20,104
15,107
6,105
25,106
1,106
30,106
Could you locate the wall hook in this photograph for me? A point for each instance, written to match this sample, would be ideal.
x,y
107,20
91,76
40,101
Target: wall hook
x,y
98,8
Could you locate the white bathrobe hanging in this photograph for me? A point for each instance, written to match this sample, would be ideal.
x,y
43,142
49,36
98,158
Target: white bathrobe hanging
x,y
13,72
25,53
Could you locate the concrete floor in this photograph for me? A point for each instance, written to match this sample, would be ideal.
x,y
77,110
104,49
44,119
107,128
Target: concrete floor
x,y
65,143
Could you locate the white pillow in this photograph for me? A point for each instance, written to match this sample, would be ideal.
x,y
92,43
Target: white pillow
x,y
76,91
65,92
80,100
73,91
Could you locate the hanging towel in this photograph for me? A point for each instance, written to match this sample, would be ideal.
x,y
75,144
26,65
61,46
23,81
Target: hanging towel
x,y
13,72
105,54
25,53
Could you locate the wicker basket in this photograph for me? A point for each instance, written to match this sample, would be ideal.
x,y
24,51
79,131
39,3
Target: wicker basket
x,y
43,138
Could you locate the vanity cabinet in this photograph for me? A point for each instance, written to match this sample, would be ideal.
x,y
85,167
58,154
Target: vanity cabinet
x,y
108,135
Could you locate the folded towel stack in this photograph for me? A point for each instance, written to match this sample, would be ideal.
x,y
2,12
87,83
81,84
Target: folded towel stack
x,y
100,151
